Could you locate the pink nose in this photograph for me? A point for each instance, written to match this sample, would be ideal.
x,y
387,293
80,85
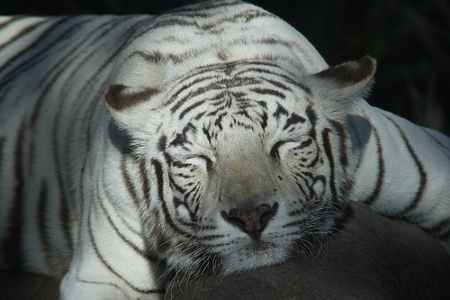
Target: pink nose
x,y
252,221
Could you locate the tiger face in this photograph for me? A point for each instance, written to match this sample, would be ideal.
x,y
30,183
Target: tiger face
x,y
248,196
245,167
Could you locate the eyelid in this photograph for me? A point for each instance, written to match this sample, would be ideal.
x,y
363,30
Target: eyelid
x,y
274,150
209,161
202,156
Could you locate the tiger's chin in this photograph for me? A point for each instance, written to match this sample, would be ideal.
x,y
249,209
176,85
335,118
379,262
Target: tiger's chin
x,y
253,256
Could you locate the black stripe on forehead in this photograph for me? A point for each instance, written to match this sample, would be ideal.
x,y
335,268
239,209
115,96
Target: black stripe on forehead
x,y
222,77
312,117
181,137
236,68
194,92
185,84
267,91
293,119
190,108
280,111
283,77
162,143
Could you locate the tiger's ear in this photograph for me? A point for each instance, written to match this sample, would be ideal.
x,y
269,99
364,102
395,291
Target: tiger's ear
x,y
339,87
134,89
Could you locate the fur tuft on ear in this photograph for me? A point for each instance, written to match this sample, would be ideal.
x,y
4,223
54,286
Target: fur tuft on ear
x,y
338,88
134,89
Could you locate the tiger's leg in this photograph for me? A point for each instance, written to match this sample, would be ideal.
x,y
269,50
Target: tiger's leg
x,y
108,264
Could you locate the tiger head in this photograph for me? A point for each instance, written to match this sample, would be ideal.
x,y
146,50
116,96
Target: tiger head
x,y
245,161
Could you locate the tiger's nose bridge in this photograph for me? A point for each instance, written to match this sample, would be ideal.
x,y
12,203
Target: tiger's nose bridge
x,y
247,184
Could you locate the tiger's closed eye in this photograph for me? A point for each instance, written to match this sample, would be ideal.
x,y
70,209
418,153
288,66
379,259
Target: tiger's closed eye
x,y
195,160
209,162
274,152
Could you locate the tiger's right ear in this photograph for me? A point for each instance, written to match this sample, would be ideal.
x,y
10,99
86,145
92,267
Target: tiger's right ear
x,y
135,89
337,88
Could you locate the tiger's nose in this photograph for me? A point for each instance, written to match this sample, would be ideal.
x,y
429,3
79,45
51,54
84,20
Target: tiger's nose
x,y
253,221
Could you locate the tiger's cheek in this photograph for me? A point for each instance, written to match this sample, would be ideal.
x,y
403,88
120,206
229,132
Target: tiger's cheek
x,y
182,214
306,166
306,156
187,182
319,187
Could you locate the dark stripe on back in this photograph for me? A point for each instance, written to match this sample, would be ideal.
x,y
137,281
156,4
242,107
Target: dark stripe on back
x,y
2,142
420,168
186,16
42,228
87,117
20,34
11,243
339,128
85,48
380,167
37,56
65,220
12,20
63,64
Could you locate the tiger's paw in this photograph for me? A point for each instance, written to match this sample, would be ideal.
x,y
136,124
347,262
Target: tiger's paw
x,y
75,288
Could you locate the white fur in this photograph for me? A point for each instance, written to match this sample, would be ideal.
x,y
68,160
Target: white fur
x,y
114,168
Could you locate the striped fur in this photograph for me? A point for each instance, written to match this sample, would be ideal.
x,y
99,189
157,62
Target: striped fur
x,y
215,115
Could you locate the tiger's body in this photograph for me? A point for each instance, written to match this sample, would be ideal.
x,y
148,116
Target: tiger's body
x,y
226,142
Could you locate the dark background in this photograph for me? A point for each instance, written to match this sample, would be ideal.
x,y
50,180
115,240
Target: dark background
x,y
409,38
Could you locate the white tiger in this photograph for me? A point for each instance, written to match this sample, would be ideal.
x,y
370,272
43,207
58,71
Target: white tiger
x,y
226,143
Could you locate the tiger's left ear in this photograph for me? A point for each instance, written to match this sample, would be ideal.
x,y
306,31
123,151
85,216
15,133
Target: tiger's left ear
x,y
337,88
134,93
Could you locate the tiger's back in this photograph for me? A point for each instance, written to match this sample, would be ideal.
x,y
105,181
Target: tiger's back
x,y
52,74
